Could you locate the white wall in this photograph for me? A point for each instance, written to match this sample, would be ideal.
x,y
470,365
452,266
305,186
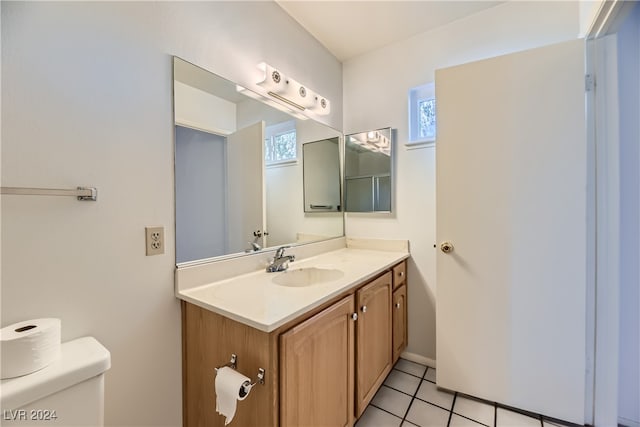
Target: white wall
x,y
87,100
376,87
629,98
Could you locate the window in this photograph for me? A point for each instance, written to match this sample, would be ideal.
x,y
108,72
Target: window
x,y
427,123
280,145
422,115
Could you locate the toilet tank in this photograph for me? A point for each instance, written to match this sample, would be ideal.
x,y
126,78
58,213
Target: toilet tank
x,y
69,392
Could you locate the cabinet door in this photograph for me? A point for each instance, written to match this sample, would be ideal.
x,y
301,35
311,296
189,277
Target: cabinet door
x,y
399,321
316,369
373,340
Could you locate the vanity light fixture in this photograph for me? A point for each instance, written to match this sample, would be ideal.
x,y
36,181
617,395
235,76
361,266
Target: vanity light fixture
x,y
271,102
287,90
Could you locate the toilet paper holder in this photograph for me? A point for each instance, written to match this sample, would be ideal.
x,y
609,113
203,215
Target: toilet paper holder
x,y
233,365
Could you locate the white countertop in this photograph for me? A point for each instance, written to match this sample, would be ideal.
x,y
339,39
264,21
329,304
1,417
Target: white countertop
x,y
253,299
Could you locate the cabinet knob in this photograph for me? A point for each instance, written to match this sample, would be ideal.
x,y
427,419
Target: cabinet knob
x,y
398,305
364,309
354,316
401,274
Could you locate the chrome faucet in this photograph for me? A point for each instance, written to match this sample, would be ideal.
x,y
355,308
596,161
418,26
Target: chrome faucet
x,y
254,247
280,260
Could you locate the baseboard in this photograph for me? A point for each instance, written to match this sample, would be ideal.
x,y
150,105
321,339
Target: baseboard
x,y
412,357
627,422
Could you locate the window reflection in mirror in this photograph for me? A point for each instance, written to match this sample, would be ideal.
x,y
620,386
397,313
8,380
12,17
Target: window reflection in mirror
x,y
229,199
368,171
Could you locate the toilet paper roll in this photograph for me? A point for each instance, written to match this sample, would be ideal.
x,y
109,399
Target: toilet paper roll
x,y
29,346
231,386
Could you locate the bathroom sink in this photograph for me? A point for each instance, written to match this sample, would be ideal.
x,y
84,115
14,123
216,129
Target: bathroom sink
x,y
301,277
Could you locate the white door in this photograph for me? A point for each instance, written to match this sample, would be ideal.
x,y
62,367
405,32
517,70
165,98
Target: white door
x,y
512,199
245,188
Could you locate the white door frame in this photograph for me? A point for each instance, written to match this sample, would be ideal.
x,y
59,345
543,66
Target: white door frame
x,y
607,209
603,296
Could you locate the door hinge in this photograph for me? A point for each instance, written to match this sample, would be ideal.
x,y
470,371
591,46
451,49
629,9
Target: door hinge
x,y
589,82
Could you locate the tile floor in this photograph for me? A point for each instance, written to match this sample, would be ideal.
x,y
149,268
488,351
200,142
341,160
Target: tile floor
x,y
409,397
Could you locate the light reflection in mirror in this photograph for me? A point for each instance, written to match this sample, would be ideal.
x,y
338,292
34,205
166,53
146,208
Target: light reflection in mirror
x,y
368,171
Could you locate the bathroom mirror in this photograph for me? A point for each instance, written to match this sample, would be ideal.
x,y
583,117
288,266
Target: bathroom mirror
x,y
239,170
321,171
368,171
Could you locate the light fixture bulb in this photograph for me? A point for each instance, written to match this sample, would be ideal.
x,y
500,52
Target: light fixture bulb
x,y
277,85
373,136
272,80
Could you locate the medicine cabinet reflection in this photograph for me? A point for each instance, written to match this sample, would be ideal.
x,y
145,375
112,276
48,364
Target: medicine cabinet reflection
x,y
368,171
321,165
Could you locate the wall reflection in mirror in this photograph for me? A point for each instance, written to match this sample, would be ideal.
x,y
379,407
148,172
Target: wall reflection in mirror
x,y
239,170
368,171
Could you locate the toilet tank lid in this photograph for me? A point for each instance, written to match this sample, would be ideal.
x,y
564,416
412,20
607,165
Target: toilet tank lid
x,y
80,359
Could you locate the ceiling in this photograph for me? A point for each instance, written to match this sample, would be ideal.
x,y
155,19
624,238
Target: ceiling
x,y
350,28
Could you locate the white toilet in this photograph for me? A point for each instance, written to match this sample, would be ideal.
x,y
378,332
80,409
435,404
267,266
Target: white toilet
x,y
69,392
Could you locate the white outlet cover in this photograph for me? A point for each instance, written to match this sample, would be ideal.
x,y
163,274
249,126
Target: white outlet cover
x,y
154,240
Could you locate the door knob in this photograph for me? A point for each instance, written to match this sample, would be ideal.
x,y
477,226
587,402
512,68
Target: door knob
x,y
446,247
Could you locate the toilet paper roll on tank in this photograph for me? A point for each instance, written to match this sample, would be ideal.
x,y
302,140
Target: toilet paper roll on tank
x,y
29,346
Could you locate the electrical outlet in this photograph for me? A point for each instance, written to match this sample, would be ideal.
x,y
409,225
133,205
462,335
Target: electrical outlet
x,y
155,240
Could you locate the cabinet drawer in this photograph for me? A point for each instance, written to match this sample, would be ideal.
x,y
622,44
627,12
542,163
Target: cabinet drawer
x,y
399,274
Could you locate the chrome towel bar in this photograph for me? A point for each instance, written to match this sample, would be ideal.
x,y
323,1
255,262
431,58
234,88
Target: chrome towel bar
x,y
82,193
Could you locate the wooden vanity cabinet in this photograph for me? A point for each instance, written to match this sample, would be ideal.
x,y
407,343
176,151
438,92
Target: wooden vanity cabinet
x,y
322,369
317,369
373,339
208,340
